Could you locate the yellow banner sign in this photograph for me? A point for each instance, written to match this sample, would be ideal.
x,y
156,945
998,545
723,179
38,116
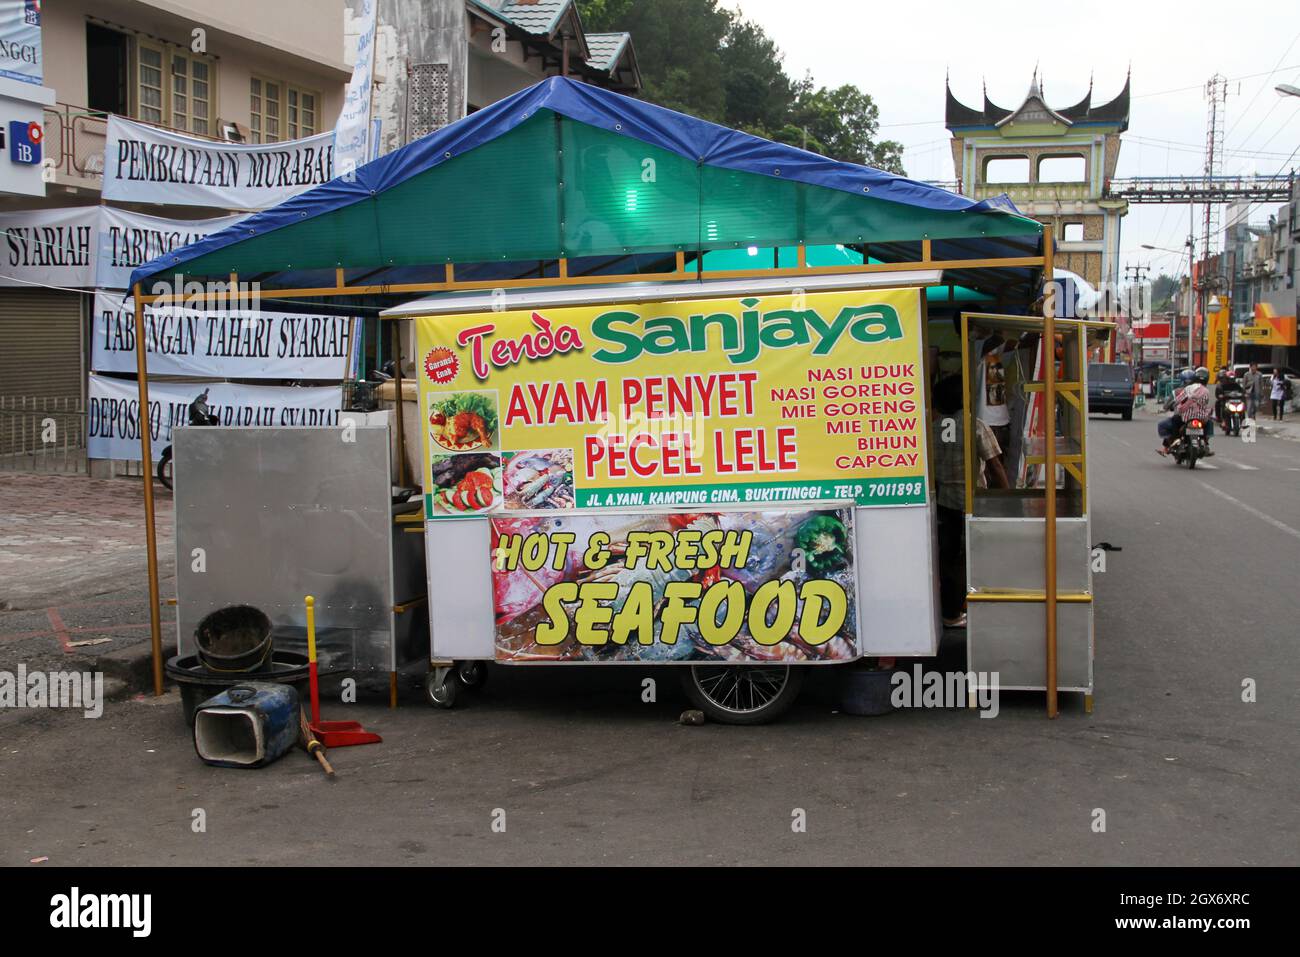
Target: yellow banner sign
x,y
755,400
1219,338
1269,328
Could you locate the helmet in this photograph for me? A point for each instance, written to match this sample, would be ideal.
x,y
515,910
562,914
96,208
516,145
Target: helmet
x,y
1202,375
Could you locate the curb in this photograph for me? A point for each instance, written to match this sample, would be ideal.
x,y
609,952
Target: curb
x,y
133,665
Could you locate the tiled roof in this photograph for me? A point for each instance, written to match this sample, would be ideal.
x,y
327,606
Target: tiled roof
x,y
605,49
535,16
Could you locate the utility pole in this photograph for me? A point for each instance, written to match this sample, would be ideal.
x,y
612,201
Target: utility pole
x,y
1136,275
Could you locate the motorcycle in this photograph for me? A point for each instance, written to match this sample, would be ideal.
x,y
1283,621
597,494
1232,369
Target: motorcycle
x,y
1190,443
1233,414
199,414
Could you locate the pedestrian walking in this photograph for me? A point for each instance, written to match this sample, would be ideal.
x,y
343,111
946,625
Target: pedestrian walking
x,y
1251,383
1277,394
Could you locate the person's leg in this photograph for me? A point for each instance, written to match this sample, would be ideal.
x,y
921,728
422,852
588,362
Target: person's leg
x,y
1003,434
1166,428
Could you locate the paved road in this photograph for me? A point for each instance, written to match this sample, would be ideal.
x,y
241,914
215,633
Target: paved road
x,y
1201,598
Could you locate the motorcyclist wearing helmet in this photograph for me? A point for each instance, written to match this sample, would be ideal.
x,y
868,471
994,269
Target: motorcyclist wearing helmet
x,y
1192,402
1227,386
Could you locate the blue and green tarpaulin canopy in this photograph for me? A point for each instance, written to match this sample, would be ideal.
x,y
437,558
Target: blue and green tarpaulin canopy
x,y
564,170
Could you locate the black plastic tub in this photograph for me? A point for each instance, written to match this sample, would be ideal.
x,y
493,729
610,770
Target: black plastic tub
x,y
198,683
234,639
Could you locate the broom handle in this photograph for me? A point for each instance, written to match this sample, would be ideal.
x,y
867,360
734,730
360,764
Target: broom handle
x,y
311,660
313,746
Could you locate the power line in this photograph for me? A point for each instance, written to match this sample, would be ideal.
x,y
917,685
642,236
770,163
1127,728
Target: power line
x,y
1183,147
1201,86
1262,85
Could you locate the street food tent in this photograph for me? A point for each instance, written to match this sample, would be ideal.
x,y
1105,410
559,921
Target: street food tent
x,y
565,186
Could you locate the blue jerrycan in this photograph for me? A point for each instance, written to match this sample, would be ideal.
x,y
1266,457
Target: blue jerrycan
x,y
248,725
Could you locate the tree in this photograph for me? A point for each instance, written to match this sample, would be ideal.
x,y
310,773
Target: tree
x,y
678,46
759,94
700,59
845,121
1163,290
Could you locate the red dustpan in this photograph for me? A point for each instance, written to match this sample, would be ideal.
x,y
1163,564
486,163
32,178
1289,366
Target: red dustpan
x,y
332,734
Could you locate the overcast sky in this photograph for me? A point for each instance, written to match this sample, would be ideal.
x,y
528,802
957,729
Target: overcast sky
x,y
898,52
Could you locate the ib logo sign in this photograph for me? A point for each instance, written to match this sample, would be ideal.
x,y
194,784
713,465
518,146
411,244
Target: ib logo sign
x,y
25,142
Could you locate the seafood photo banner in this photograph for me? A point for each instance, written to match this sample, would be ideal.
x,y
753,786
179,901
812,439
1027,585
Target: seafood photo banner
x,y
724,586
796,398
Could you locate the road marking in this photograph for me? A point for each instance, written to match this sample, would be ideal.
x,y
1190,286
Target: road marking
x,y
60,630
1207,465
1281,526
1245,468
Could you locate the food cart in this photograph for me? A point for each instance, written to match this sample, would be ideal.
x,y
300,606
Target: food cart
x,y
673,387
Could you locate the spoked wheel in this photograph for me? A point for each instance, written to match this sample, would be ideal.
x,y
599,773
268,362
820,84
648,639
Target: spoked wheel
x,y
742,694
165,471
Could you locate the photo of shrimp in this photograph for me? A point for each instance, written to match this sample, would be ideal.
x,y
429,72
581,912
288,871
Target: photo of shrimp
x,y
463,421
539,479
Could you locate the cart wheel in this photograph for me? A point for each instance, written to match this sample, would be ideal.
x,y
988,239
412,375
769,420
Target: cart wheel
x,y
742,694
472,674
440,687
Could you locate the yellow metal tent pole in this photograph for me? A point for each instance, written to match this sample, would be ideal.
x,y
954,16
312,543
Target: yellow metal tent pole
x,y
1049,467
146,469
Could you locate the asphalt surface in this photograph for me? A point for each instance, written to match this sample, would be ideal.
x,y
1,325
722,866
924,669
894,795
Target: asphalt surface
x,y
1201,598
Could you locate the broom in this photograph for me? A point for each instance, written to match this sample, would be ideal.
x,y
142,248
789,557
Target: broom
x,y
309,742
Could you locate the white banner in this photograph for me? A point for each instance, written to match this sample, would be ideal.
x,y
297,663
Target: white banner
x,y
352,132
143,164
128,240
51,246
112,430
90,246
236,344
20,40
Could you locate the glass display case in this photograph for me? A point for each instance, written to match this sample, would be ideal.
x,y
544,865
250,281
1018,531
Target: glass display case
x,y
1028,614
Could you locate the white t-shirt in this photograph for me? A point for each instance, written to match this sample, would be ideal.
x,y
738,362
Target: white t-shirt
x,y
991,386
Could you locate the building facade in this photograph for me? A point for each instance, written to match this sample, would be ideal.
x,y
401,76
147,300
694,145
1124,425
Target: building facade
x,y
1054,164
218,69
1264,266
440,60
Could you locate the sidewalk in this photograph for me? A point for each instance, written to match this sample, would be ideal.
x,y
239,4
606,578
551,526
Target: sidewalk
x,y
1288,428
73,578
66,536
